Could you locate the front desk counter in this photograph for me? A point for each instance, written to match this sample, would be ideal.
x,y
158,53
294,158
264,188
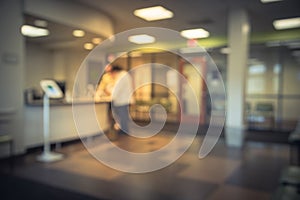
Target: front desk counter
x,y
62,125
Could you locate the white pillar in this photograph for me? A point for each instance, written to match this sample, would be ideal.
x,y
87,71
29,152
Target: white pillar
x,y
238,34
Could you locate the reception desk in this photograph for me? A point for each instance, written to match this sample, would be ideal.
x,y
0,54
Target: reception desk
x,y
62,125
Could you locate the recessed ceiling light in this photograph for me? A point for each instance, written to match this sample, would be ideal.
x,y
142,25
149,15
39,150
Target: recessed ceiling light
x,y
194,33
141,39
32,31
96,40
269,1
88,46
78,33
153,13
287,23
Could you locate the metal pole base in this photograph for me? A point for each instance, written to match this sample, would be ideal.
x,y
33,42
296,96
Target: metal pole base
x,y
50,157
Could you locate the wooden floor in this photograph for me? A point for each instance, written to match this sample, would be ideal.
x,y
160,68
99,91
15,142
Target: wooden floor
x,y
250,172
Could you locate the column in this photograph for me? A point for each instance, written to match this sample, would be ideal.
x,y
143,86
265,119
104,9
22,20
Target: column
x,y
238,34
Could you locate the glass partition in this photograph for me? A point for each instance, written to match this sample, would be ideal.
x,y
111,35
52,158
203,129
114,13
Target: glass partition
x,y
272,93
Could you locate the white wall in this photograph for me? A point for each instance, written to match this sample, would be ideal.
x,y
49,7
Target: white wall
x,y
11,73
61,65
74,59
39,65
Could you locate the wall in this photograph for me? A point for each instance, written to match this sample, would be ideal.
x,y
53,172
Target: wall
x,y
61,64
74,60
38,65
11,73
14,77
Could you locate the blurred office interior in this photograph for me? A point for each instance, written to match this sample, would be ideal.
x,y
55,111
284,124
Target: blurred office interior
x,y
255,62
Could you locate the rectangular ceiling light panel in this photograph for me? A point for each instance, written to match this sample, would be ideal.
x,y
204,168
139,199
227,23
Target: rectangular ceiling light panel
x,y
153,13
141,39
194,33
32,31
287,23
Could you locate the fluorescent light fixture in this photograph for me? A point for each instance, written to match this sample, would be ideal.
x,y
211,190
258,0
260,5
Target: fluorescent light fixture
x,y
153,13
32,31
269,1
88,46
287,23
194,33
96,40
78,33
141,39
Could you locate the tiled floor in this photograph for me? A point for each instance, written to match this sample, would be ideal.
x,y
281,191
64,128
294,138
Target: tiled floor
x,y
250,172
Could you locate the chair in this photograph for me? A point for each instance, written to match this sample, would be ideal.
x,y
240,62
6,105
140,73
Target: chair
x,y
286,192
290,176
289,181
7,139
263,116
294,140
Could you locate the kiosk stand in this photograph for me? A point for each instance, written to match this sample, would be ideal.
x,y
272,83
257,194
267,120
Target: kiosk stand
x,y
51,90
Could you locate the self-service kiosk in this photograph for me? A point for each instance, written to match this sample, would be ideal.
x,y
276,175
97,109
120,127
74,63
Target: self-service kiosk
x,y
51,91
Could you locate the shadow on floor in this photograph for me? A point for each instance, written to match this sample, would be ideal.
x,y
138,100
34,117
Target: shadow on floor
x,y
13,187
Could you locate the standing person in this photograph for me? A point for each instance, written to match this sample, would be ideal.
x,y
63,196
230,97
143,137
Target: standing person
x,y
121,97
105,86
103,93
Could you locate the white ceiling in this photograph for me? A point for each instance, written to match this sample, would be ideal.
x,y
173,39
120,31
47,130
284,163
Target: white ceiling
x,y
209,14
